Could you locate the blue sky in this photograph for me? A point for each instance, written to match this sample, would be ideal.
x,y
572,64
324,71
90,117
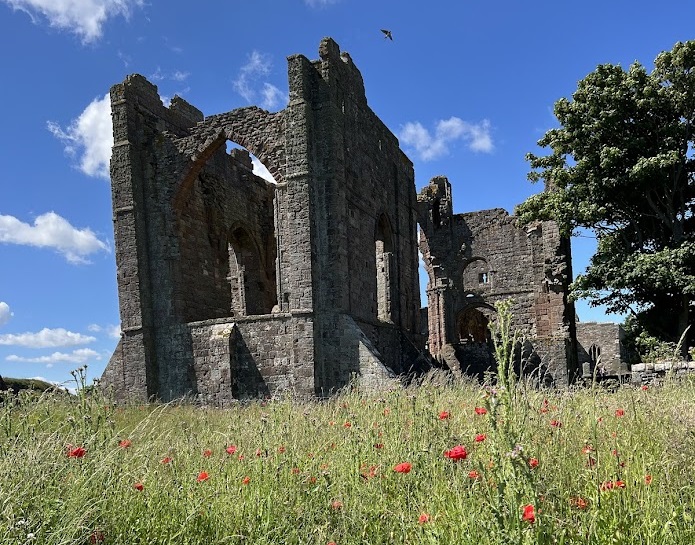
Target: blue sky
x,y
467,86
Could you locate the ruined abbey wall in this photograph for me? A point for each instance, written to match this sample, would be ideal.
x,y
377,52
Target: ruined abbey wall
x,y
476,259
233,287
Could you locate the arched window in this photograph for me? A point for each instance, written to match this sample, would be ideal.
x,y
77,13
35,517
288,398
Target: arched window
x,y
595,353
384,269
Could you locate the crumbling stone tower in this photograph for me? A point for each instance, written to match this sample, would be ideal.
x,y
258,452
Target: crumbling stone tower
x,y
233,287
475,259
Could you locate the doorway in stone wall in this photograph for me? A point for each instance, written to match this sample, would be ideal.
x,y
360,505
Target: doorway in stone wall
x,y
385,271
474,349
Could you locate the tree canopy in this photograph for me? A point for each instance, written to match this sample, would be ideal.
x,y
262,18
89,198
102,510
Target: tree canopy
x,y
621,165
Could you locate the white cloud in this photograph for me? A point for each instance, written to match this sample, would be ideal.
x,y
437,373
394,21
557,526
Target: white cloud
x,y
82,17
180,76
52,231
272,97
80,355
46,338
428,147
5,313
90,136
113,331
249,86
260,170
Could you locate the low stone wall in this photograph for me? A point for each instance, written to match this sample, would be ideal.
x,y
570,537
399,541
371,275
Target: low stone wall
x,y
645,373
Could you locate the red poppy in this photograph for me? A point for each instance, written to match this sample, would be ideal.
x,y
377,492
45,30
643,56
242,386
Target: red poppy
x,y
579,502
166,460
337,505
529,514
296,471
480,410
207,453
347,425
387,411
203,476
619,484
231,449
587,449
76,452
645,387
444,415
246,480
619,412
378,445
473,474
331,543
124,443
648,479
403,467
281,449
556,423
139,486
533,462
97,536
423,518
480,438
459,452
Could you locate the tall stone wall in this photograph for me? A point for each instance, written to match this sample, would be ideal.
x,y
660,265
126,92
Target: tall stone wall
x,y
231,286
476,259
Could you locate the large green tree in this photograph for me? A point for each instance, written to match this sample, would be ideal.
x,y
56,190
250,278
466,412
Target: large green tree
x,y
621,164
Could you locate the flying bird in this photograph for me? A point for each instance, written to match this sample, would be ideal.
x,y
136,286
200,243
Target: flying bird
x,y
387,34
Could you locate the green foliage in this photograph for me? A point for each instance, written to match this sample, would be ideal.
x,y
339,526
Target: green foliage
x,y
621,164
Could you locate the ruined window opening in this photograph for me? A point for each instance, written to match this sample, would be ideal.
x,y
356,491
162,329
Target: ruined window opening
x,y
595,353
258,168
384,270
483,278
436,214
472,326
250,290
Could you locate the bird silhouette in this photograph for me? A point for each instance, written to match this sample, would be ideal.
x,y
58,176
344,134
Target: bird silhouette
x,y
387,34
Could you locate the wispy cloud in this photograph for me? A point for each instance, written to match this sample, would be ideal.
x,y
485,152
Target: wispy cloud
x,y
46,338
5,313
161,75
320,3
113,331
249,85
428,147
52,231
85,18
81,355
90,137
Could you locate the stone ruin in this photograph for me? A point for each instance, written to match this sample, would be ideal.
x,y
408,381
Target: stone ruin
x,y
233,287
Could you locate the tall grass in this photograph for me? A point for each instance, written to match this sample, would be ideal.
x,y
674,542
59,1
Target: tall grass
x,y
434,463
609,468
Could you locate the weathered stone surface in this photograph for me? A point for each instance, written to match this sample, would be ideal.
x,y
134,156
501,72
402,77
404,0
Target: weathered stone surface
x,y
600,350
475,259
234,287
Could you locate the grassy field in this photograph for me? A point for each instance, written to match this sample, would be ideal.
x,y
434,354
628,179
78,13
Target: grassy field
x,y
436,463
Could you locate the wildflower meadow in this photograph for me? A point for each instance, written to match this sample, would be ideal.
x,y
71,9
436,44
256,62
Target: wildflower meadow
x,y
437,462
